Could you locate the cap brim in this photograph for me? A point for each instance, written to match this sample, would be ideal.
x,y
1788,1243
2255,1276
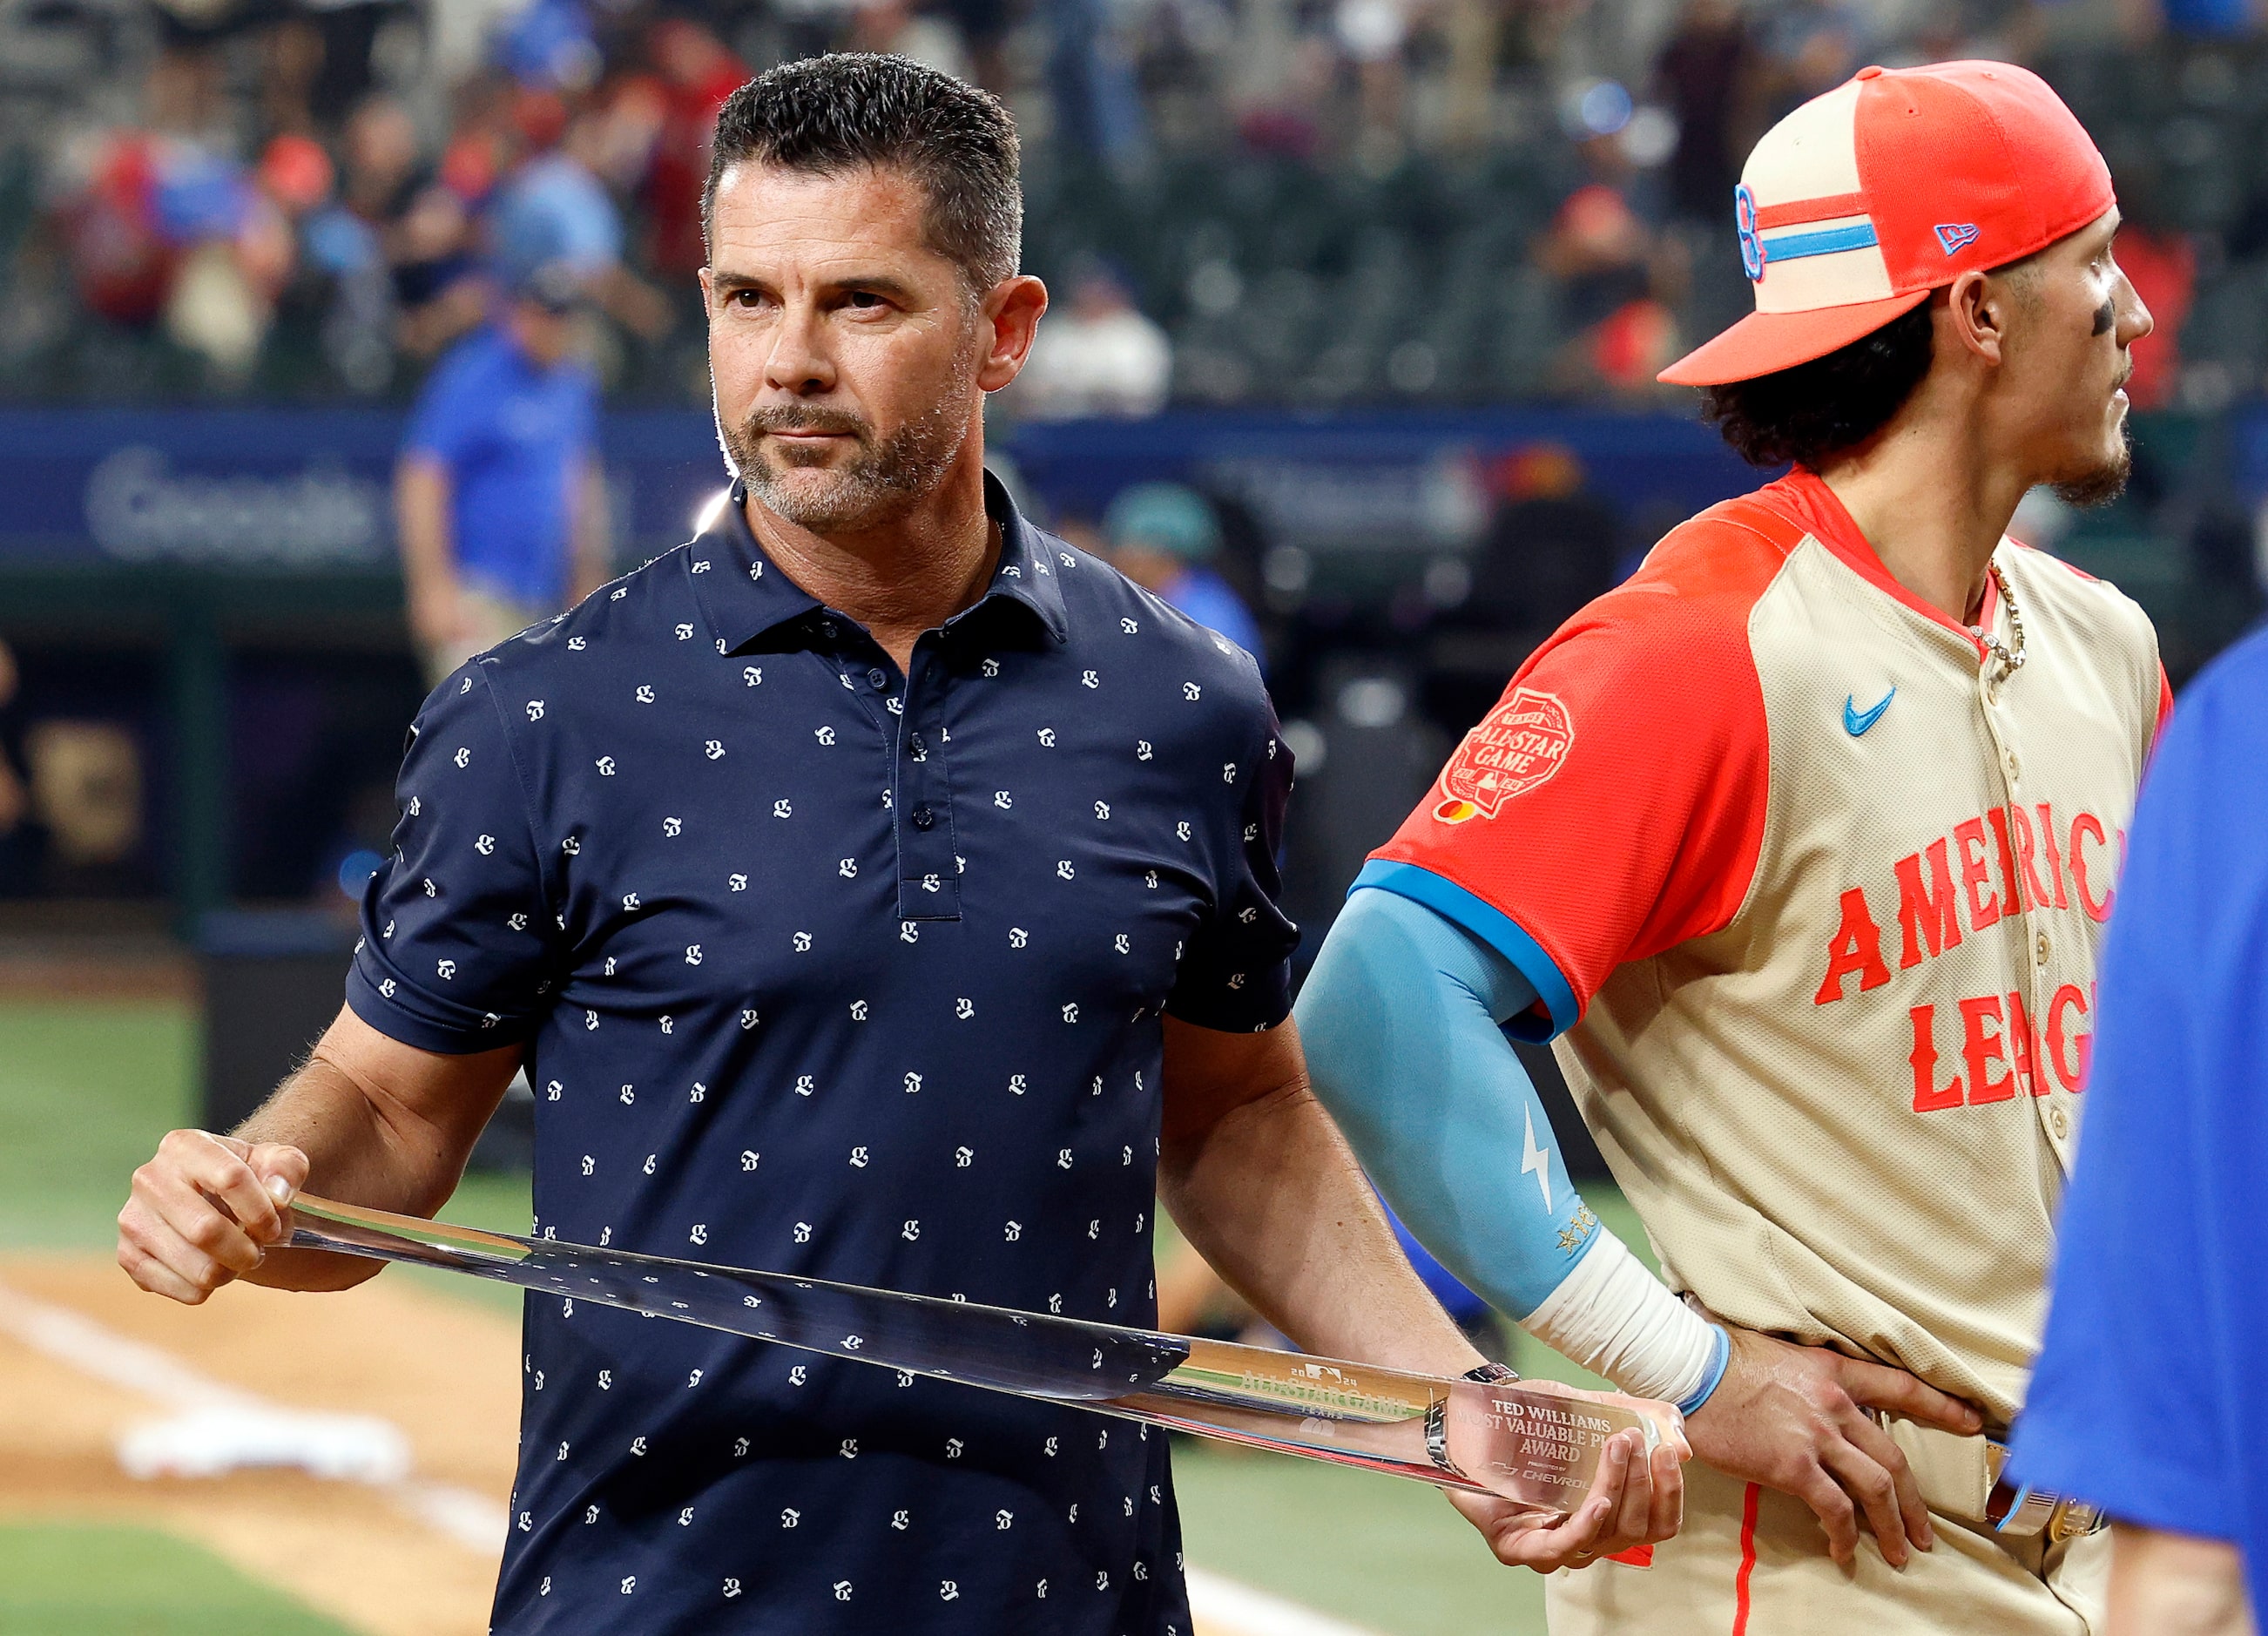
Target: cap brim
x,y
1764,343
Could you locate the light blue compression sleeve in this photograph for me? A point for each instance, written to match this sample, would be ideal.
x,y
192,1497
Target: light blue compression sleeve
x,y
1402,1023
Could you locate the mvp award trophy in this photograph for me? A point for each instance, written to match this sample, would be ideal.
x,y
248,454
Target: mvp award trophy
x,y
1535,1443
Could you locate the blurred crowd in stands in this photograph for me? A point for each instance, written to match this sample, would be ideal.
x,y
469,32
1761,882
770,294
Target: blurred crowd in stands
x,y
1303,203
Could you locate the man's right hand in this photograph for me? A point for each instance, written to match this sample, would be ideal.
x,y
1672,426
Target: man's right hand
x,y
205,1211
1795,1418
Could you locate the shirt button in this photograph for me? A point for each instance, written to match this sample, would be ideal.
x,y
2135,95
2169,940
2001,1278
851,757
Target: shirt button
x,y
915,742
2059,1122
827,628
877,680
2016,768
924,817
2040,949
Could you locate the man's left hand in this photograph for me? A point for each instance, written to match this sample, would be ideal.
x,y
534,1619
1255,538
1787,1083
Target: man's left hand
x,y
1633,1501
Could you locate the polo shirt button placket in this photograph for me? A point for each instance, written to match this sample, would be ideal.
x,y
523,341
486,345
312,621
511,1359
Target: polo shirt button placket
x,y
929,883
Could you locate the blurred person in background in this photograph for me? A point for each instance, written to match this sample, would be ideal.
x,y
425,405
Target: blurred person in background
x,y
166,225
1165,538
2162,263
499,499
555,198
697,71
1614,273
1706,78
1808,47
1098,355
917,34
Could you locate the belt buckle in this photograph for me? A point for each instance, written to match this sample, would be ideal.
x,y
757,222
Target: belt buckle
x,y
2019,1511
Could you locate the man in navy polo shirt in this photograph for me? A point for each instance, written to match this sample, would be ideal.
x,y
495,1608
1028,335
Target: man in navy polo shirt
x,y
873,888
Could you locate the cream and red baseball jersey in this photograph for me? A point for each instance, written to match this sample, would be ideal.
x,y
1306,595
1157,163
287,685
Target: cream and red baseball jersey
x,y
1816,900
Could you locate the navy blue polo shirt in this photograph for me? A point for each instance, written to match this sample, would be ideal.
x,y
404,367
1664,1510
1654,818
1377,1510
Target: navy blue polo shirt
x,y
833,971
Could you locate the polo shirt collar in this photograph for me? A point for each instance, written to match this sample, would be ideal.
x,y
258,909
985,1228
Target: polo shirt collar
x,y
752,601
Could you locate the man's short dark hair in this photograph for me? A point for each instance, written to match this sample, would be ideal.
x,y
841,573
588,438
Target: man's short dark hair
x,y
1818,409
853,110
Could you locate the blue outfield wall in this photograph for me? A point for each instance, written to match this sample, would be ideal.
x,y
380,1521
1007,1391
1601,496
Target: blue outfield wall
x,y
281,489
290,490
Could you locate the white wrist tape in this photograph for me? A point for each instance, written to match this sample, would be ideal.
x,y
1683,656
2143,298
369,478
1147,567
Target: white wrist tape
x,y
1616,1319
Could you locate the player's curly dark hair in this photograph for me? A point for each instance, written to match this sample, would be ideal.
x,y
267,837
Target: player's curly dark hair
x,y
1832,403
848,110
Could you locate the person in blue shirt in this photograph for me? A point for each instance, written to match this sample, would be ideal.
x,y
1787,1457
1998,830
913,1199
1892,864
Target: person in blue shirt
x,y
499,499
2145,1400
1164,537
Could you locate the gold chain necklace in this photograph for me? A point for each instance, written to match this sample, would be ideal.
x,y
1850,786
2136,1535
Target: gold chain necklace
x,y
2007,656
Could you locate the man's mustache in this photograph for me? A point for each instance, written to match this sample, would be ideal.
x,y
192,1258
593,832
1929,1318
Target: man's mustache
x,y
803,418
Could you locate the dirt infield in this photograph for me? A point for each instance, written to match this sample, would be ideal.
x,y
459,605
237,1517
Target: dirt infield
x,y
445,1372
402,1560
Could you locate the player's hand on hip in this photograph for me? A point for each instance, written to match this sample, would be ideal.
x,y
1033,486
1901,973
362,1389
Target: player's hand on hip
x,y
1796,1418
205,1211
1633,1501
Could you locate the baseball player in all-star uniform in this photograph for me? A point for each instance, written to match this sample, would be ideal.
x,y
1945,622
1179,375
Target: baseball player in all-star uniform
x,y
1801,843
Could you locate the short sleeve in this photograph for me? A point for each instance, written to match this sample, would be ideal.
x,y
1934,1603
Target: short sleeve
x,y
1236,974
2143,1400
456,949
1612,804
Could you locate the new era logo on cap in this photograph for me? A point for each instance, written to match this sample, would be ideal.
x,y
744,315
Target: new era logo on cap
x,y
1862,201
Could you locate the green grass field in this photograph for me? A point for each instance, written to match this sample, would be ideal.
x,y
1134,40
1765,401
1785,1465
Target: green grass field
x,y
87,1087
66,1579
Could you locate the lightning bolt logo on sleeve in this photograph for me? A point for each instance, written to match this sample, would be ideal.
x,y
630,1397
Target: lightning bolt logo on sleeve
x,y
1535,1158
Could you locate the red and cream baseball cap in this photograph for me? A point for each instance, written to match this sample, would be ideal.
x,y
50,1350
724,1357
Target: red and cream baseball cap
x,y
1856,206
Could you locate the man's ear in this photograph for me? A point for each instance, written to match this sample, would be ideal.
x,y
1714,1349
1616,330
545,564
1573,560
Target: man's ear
x,y
1979,307
1010,317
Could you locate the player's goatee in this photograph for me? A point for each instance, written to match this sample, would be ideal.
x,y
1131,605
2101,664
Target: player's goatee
x,y
2105,484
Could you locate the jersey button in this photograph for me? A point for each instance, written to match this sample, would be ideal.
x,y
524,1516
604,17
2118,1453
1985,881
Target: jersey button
x,y
923,818
2040,949
2016,768
877,679
2058,1121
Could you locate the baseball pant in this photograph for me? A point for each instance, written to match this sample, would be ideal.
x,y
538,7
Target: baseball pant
x,y
1751,1562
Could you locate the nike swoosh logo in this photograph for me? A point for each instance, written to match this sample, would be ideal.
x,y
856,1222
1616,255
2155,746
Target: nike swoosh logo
x,y
1856,721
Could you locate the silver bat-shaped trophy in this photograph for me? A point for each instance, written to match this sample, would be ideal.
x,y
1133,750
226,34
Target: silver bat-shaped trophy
x,y
1535,1443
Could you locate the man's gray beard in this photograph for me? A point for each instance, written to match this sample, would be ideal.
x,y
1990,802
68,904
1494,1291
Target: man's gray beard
x,y
2105,484
882,481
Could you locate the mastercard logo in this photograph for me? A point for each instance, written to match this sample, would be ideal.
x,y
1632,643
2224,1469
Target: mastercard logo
x,y
1455,811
